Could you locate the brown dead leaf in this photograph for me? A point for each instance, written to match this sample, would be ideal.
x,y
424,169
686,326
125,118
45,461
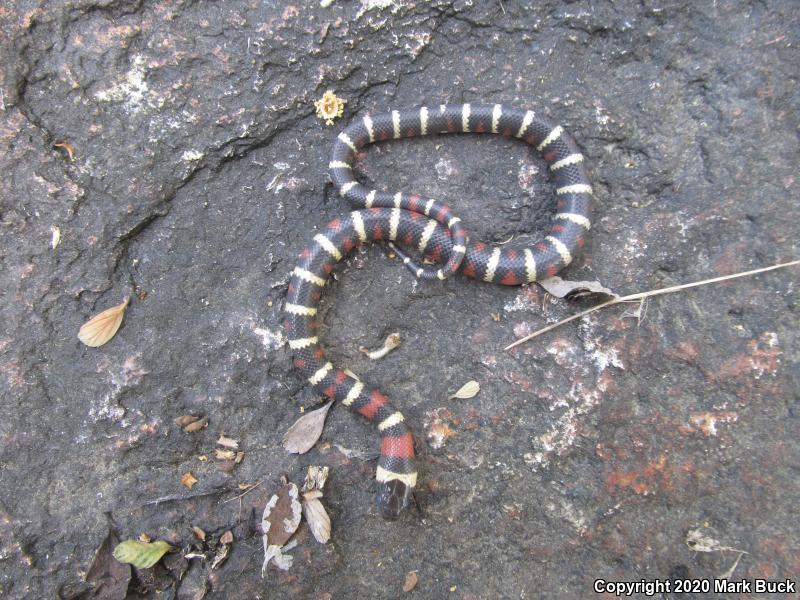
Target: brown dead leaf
x,y
185,420
227,442
68,148
574,290
226,538
109,577
188,480
196,425
305,432
281,516
411,581
199,533
101,328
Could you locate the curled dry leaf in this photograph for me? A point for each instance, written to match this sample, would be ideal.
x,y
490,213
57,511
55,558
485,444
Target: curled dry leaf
x,y
468,390
238,458
101,328
410,582
220,556
224,454
315,478
196,425
227,442
199,533
305,432
141,554
188,480
317,517
68,148
226,538
699,541
574,290
185,420
391,342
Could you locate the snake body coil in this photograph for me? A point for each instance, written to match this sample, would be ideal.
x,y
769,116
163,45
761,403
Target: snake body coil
x,y
429,227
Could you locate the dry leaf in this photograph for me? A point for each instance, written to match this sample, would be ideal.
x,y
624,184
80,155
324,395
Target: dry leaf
x,y
281,516
305,432
220,556
317,517
226,466
224,454
275,554
55,240
185,420
101,328
228,442
140,554
199,533
279,521
702,542
411,581
197,425
143,537
315,478
188,480
573,290
227,538
239,457
468,390
109,577
389,344
68,148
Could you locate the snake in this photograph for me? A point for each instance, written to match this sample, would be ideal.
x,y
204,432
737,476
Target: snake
x,y
428,227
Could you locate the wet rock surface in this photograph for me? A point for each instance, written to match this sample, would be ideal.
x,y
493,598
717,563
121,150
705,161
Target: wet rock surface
x,y
199,173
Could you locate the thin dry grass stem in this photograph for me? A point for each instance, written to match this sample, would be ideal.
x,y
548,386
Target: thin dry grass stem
x,y
648,294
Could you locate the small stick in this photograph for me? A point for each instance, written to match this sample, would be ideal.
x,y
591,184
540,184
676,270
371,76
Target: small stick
x,y
642,295
247,491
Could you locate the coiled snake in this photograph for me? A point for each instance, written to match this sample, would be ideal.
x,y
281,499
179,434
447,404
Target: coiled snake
x,y
429,227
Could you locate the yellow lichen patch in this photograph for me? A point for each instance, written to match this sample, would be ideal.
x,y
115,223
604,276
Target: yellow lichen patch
x,y
329,107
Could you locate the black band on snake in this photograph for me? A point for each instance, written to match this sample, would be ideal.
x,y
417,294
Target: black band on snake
x,y
429,227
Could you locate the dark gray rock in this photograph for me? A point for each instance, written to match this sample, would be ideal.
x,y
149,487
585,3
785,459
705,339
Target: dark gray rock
x,y
199,173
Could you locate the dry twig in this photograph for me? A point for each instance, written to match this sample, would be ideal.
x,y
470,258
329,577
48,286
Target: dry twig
x,y
648,294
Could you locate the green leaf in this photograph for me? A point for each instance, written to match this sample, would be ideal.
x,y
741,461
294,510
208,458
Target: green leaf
x,y
141,555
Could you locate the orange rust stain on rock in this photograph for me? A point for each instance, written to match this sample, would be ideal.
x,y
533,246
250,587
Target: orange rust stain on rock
x,y
685,351
654,476
761,358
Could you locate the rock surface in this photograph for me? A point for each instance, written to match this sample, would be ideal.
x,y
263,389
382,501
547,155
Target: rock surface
x,y
199,173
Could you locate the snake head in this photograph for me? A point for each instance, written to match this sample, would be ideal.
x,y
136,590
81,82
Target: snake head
x,y
393,497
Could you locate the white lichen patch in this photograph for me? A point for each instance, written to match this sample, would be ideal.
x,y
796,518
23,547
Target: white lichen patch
x,y
601,355
271,340
574,516
192,155
131,89
563,434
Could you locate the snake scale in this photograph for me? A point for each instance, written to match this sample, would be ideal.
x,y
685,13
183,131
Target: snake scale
x,y
429,227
